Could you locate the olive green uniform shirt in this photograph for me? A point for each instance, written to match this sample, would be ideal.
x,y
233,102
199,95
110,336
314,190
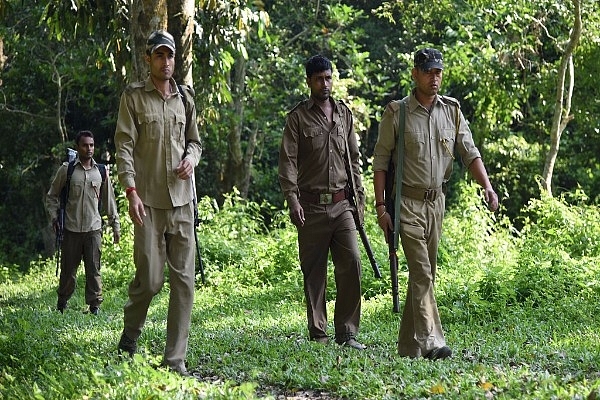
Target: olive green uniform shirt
x,y
152,136
86,189
430,141
312,158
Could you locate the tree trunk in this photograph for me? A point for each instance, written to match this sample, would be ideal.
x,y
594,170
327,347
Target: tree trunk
x,y
146,16
562,108
181,26
234,167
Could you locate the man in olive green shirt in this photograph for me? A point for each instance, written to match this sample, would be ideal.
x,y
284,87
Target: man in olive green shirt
x,y
82,222
318,141
434,130
158,146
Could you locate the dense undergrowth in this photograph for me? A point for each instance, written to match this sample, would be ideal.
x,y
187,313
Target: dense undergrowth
x,y
521,310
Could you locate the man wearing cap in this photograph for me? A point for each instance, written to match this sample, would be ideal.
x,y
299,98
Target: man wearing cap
x,y
434,131
158,146
319,146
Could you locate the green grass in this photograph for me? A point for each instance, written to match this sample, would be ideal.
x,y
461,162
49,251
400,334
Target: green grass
x,y
511,338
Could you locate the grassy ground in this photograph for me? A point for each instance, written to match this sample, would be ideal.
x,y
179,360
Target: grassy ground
x,y
250,342
514,335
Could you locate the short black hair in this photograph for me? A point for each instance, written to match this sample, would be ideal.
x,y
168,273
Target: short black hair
x,y
317,63
81,134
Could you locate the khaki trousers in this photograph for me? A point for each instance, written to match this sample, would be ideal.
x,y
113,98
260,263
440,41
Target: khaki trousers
x,y
330,228
420,231
167,236
75,246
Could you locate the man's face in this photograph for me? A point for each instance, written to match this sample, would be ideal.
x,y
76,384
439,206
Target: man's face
x,y
427,82
85,148
162,63
320,84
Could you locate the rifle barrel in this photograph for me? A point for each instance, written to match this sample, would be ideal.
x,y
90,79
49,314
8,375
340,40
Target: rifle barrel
x,y
393,272
367,245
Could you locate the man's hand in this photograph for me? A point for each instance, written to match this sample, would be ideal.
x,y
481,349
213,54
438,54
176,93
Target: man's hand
x,y
136,208
491,198
184,170
384,219
296,212
116,236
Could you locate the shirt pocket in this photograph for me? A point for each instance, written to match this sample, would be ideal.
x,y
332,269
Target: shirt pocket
x,y
340,140
314,138
150,126
95,192
179,128
446,142
415,145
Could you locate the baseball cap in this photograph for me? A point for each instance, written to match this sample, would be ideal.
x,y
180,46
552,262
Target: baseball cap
x,y
158,39
428,58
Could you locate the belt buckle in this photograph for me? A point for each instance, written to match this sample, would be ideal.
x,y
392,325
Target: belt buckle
x,y
430,194
325,198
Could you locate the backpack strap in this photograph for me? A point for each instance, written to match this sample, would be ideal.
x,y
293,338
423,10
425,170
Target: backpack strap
x,y
64,193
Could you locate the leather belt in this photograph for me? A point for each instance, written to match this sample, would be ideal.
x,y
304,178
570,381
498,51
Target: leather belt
x,y
323,198
421,194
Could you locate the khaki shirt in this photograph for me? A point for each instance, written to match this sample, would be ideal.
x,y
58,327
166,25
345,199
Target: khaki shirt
x,y
312,158
151,138
81,210
430,141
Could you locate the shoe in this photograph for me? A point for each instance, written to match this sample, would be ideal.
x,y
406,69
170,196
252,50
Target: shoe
x,y
353,343
94,310
61,305
320,339
179,369
439,353
127,345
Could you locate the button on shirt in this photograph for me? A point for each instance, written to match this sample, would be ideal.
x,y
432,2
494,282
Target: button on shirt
x,y
430,141
151,138
312,156
81,210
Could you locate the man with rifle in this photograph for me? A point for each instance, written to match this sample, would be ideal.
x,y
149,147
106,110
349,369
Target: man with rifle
x,y
317,139
79,193
420,135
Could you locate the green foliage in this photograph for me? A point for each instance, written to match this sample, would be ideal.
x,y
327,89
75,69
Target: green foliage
x,y
248,336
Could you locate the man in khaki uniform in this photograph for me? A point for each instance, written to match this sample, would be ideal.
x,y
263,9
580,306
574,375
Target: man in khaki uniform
x,y
158,147
82,229
317,141
434,130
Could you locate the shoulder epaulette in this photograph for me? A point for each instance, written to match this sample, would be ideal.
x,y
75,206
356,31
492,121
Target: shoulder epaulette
x,y
394,105
451,100
296,106
135,85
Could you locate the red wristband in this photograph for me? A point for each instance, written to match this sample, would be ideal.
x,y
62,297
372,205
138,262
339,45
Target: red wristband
x,y
129,190
380,203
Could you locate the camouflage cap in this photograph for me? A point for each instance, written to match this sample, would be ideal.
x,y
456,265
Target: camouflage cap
x,y
428,58
158,39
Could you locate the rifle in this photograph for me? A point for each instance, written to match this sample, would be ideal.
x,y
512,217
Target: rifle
x,y
352,198
393,255
393,206
196,218
361,230
60,222
60,218
196,225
